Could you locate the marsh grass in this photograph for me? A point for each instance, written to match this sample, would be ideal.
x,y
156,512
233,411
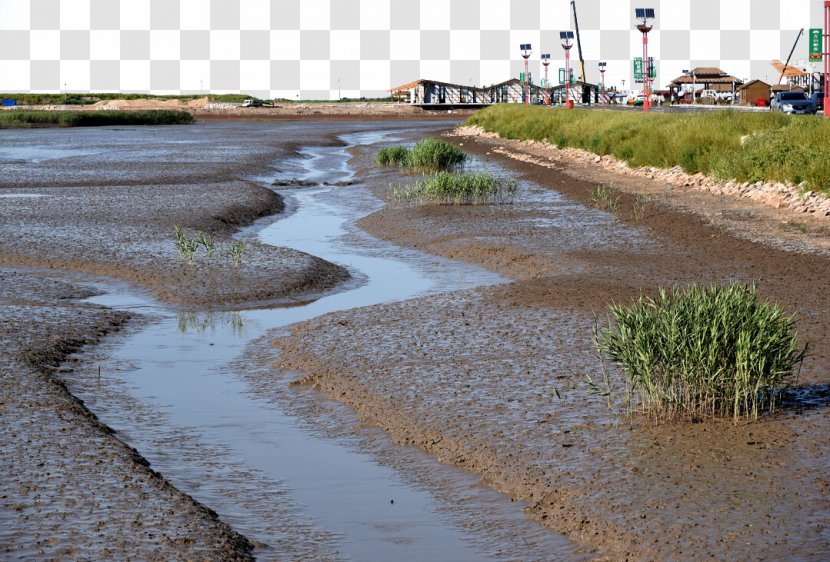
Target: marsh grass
x,y
728,145
34,118
447,188
702,352
428,155
186,245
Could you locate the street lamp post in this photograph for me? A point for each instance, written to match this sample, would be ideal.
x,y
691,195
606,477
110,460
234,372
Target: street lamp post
x,y
567,42
526,52
546,63
645,14
602,73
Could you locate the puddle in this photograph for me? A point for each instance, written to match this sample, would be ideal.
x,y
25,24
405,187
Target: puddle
x,y
20,195
38,154
213,437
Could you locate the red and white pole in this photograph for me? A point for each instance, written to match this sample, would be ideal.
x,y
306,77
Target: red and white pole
x,y
646,76
603,89
827,58
567,78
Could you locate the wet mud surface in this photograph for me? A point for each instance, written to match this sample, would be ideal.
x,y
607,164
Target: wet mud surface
x,y
110,209
472,376
69,490
489,379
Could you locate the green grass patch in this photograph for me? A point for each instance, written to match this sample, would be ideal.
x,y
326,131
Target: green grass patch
x,y
447,188
428,155
33,118
75,99
775,147
702,351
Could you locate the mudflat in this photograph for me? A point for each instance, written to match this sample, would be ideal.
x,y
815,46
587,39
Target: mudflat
x,y
493,379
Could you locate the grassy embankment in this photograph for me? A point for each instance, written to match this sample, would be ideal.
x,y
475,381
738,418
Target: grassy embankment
x,y
26,118
701,351
444,185
728,145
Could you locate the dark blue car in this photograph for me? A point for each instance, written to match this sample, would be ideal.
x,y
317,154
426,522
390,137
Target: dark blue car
x,y
793,103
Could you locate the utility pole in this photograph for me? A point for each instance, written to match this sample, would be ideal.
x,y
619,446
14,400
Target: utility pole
x,y
567,38
526,49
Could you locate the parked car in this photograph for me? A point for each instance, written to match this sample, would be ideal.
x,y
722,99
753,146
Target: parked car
x,y
793,103
818,100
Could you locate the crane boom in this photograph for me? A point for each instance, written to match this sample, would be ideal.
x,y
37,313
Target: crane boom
x,y
579,44
786,64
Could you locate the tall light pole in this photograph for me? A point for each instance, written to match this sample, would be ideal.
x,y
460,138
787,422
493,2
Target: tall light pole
x,y
526,52
602,73
567,42
645,14
546,63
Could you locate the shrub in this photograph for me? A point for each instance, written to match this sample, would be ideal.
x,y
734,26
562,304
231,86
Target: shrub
x,y
446,188
703,351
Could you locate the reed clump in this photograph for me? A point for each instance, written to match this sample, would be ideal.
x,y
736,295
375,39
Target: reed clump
x,y
728,145
448,188
20,118
702,352
428,155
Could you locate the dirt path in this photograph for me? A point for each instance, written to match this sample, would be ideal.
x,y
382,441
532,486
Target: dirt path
x,y
472,377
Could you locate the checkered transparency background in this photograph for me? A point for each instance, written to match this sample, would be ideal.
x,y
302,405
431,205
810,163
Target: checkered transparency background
x,y
329,48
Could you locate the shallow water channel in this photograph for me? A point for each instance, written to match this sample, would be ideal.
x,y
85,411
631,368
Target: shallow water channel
x,y
177,391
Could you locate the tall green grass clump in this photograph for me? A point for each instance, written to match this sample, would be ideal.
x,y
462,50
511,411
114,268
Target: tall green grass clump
x,y
436,155
34,118
392,156
728,145
703,351
447,188
428,155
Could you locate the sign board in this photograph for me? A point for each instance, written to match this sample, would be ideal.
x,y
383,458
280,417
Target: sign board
x,y
561,75
816,41
638,69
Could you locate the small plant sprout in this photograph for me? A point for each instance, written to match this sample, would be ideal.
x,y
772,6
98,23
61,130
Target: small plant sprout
x,y
603,197
208,242
187,246
235,251
641,203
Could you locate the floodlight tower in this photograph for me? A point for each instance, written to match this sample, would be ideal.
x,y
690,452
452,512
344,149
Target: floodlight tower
x,y
546,63
526,52
645,14
567,42
602,73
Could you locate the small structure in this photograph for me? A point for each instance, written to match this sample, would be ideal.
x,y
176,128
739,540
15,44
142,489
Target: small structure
x,y
752,91
580,92
705,78
433,92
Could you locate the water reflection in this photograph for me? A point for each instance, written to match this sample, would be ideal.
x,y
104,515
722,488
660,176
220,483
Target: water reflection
x,y
201,322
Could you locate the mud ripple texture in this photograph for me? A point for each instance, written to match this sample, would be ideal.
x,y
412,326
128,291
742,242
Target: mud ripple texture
x,y
69,489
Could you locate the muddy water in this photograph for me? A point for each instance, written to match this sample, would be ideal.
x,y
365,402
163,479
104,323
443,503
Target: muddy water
x,y
175,392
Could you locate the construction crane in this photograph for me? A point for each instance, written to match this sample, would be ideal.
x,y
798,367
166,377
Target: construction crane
x,y
579,44
786,64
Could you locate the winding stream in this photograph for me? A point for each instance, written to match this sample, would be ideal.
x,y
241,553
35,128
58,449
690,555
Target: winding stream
x,y
174,391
